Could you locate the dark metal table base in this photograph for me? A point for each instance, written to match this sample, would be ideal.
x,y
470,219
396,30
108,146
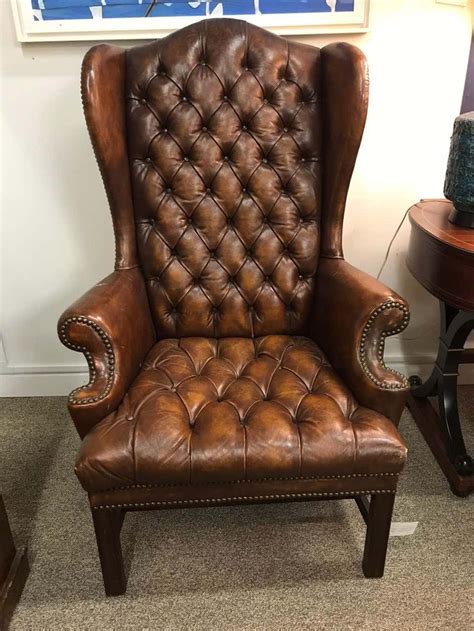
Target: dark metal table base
x,y
443,431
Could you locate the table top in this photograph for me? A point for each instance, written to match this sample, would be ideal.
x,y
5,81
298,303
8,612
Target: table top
x,y
431,215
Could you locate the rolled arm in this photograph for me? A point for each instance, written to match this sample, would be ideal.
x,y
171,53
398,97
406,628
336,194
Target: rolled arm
x,y
353,315
112,325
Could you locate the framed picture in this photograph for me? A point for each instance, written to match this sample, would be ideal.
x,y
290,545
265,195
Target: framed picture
x,y
62,20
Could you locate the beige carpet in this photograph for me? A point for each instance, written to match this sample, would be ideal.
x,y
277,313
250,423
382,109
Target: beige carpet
x,y
287,566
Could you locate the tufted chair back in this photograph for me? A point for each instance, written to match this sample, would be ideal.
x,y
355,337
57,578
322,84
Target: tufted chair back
x,y
240,150
224,143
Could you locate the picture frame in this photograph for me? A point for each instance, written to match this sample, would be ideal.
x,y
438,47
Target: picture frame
x,y
76,20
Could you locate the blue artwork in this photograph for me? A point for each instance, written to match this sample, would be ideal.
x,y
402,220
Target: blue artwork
x,y
96,9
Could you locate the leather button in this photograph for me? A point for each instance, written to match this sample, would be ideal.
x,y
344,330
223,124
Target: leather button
x,y
265,220
186,159
167,190
303,159
285,129
265,101
204,128
244,189
148,159
264,160
184,98
203,63
226,158
225,98
244,127
208,190
165,130
189,220
143,101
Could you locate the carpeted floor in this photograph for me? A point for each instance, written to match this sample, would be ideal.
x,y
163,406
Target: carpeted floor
x,y
286,566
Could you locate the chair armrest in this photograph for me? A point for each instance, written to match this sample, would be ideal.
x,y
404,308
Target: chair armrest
x,y
353,314
112,325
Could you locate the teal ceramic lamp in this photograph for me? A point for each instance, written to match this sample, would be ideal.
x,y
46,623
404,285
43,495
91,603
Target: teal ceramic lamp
x,y
459,182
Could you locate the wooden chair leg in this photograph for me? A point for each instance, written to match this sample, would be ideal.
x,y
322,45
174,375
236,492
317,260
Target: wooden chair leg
x,y
378,530
107,525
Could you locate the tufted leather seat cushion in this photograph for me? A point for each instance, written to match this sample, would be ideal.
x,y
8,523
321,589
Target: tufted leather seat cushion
x,y
224,140
208,410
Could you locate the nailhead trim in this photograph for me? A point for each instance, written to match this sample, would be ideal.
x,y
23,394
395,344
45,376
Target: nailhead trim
x,y
210,484
110,357
381,346
220,500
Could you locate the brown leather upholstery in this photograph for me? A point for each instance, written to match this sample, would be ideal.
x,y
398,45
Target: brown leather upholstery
x,y
226,153
204,410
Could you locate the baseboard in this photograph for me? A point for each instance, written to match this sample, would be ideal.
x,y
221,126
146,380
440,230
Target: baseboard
x,y
52,381
41,381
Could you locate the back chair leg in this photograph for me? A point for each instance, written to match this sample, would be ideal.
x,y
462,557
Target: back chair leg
x,y
107,525
378,530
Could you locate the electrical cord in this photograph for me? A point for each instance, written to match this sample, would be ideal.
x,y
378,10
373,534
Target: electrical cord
x,y
387,254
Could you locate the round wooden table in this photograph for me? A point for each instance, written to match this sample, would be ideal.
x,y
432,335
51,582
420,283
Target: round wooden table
x,y
441,258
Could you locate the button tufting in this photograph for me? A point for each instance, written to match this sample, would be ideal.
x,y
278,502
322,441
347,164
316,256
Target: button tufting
x,y
303,159
201,156
143,101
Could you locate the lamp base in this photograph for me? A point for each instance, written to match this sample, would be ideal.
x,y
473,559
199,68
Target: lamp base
x,y
461,217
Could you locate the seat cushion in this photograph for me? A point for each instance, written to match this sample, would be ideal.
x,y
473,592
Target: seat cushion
x,y
211,411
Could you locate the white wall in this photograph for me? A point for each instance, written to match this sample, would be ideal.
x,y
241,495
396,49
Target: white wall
x,y
56,236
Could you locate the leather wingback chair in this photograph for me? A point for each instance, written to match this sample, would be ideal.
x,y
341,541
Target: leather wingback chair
x,y
234,356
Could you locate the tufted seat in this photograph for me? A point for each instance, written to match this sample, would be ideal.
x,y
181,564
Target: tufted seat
x,y
236,409
234,355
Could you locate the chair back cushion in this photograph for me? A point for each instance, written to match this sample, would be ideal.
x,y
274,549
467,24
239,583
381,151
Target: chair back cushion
x,y
224,140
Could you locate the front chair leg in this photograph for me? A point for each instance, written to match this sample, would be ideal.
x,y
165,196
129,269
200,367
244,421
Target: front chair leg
x,y
378,530
107,525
